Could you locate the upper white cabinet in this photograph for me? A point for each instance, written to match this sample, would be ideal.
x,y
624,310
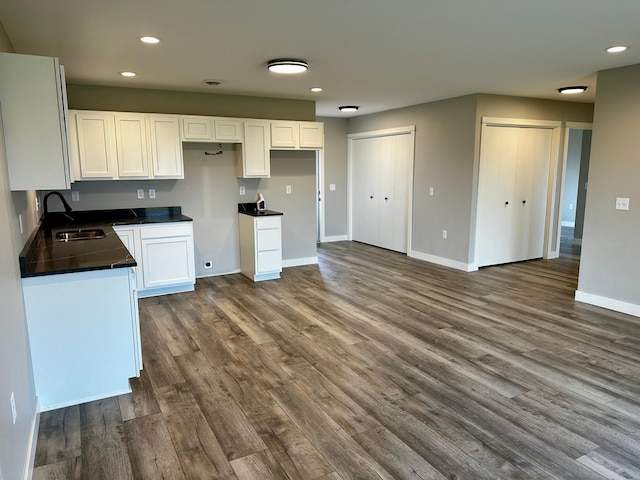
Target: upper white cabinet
x,y
166,149
123,146
33,103
210,129
252,155
297,135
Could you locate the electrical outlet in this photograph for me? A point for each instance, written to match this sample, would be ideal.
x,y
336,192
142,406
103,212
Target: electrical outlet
x,y
622,204
14,412
207,264
140,194
75,196
332,186
242,190
444,234
571,206
431,191
152,193
37,204
20,222
288,189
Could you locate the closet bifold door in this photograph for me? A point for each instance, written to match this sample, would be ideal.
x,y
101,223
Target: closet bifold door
x,y
512,193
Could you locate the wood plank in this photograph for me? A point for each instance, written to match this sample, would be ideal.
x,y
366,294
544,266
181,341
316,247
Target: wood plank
x,y
59,436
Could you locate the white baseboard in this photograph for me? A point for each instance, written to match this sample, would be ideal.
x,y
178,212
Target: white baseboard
x,y
608,303
33,441
220,274
445,262
335,238
566,223
298,262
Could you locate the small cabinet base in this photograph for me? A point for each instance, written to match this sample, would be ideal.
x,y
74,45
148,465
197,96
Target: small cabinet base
x,y
260,246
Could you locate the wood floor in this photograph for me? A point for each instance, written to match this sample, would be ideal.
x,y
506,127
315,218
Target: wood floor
x,y
369,365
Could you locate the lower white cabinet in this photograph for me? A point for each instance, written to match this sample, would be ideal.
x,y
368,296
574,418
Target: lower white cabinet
x,y
84,335
165,256
260,246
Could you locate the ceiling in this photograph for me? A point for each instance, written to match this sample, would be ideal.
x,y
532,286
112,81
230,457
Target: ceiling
x,y
378,54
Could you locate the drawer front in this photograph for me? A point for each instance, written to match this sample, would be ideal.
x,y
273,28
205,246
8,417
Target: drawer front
x,y
268,222
161,231
270,239
270,261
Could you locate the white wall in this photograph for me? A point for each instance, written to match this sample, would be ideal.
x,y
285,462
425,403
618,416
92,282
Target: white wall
x,y
610,261
570,198
335,172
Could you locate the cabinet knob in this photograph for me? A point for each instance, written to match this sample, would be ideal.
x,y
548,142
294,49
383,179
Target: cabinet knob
x,y
524,202
371,196
386,198
506,203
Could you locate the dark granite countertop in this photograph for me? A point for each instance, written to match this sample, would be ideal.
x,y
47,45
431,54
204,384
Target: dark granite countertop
x,y
44,255
251,209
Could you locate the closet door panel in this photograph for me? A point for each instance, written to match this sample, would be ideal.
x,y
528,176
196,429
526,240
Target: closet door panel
x,y
365,197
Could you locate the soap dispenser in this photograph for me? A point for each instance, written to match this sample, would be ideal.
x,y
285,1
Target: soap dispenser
x,y
260,203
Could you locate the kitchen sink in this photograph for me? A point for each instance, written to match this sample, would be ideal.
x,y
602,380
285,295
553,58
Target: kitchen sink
x,y
80,234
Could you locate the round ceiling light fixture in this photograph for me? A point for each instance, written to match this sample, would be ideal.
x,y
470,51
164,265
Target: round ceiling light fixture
x,y
287,65
617,48
213,83
128,74
572,90
348,108
316,89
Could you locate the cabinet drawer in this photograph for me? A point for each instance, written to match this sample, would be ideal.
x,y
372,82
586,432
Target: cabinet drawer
x,y
269,239
270,261
268,222
178,230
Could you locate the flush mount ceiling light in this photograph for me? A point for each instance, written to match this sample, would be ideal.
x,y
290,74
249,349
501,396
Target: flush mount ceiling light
x,y
316,89
128,74
617,49
150,40
572,90
348,108
287,65
213,83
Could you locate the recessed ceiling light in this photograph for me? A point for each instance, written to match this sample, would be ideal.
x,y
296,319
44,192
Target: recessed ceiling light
x,y
572,90
316,89
618,48
288,65
128,74
348,108
148,39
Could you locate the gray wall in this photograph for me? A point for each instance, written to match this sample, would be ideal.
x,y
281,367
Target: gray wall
x,y
570,198
15,359
444,141
583,179
335,172
610,262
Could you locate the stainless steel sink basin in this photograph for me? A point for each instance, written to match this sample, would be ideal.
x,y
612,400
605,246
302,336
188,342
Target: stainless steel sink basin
x,y
80,234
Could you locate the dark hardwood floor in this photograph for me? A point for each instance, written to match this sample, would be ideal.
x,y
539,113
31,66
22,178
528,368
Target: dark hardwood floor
x,y
368,365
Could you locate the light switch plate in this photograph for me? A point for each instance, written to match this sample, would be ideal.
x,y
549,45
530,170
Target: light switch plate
x,y
332,186
75,196
152,193
140,194
288,189
242,190
431,191
622,203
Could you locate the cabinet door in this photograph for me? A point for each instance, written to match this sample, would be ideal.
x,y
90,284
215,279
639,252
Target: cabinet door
x,y
166,149
252,159
228,130
167,261
311,135
284,135
96,145
197,129
33,114
131,145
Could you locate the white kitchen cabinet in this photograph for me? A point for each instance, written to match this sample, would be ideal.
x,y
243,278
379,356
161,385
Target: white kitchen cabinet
x,y
84,335
252,155
228,130
166,148
289,135
33,102
132,146
165,256
260,246
196,129
125,146
93,148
